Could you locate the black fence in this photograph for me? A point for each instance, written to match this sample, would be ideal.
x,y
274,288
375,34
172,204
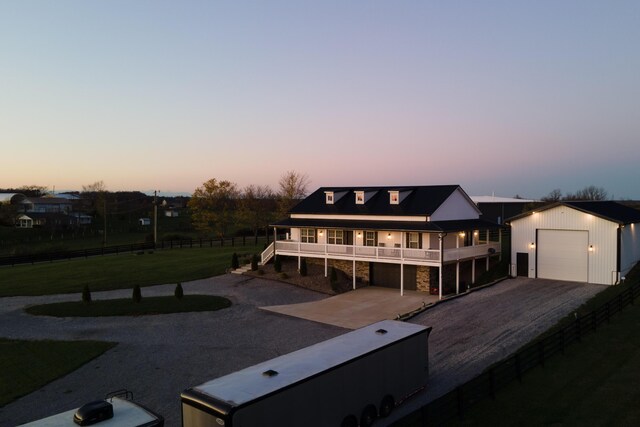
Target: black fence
x,y
455,403
133,248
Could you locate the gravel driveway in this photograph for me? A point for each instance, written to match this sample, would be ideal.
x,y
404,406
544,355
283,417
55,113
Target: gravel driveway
x,y
159,356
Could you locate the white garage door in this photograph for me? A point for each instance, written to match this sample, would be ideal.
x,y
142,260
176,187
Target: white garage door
x,y
563,255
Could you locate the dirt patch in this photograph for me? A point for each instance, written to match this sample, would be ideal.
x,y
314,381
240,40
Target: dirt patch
x,y
314,280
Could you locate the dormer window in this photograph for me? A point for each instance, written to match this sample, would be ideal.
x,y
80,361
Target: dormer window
x,y
359,197
329,197
394,197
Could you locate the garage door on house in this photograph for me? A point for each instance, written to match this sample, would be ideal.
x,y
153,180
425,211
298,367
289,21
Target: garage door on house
x,y
388,276
563,255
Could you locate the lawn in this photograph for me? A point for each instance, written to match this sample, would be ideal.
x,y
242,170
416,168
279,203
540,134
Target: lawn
x,y
29,365
127,307
595,383
118,271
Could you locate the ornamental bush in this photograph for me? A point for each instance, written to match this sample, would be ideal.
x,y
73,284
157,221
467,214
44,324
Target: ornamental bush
x,y
234,261
277,264
254,262
86,295
179,293
137,294
303,267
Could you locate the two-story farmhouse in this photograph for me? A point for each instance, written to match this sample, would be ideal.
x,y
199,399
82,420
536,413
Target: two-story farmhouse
x,y
427,238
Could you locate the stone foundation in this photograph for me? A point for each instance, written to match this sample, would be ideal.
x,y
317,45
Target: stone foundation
x,y
362,268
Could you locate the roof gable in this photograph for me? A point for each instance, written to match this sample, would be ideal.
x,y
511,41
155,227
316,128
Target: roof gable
x,y
609,210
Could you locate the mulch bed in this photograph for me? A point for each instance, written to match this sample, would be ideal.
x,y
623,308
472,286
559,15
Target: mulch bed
x,y
314,280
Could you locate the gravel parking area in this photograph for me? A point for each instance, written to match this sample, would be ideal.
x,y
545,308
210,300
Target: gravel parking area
x,y
159,356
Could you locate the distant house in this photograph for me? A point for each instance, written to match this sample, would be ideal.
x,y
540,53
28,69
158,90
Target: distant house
x,y
590,241
427,238
171,213
144,221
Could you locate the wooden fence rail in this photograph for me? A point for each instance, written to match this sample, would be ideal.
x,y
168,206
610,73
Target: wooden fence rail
x,y
455,403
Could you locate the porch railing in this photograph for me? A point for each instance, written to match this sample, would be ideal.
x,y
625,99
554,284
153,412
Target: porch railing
x,y
378,252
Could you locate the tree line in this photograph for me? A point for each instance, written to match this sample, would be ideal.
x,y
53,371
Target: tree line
x,y
218,205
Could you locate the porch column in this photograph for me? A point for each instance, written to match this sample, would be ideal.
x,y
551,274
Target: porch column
x,y
326,267
487,268
299,262
440,238
458,265
401,279
354,274
473,271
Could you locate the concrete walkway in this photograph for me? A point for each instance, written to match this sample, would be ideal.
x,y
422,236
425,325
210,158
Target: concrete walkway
x,y
357,308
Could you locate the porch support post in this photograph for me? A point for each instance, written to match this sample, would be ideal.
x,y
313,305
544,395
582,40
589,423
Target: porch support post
x,y
458,265
299,262
354,274
487,268
473,271
440,238
401,279
326,267
354,237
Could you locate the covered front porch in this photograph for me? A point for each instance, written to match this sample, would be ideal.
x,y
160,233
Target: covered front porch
x,y
452,260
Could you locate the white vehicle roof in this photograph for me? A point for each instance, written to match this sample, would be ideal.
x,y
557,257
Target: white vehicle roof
x,y
250,383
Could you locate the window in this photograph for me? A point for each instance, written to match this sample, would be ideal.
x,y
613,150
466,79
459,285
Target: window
x,y
329,197
359,197
307,235
394,197
335,237
371,238
413,240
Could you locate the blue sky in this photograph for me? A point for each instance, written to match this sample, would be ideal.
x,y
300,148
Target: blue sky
x,y
497,96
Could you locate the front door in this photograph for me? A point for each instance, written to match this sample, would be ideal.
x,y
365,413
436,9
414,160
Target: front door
x,y
522,263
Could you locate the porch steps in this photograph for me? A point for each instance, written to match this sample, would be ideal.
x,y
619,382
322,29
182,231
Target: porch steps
x,y
241,270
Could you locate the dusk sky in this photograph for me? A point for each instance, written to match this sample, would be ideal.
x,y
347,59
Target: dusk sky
x,y
511,97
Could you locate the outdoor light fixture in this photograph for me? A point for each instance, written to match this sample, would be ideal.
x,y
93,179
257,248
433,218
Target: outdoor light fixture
x,y
532,245
475,233
359,234
389,236
590,248
462,234
320,232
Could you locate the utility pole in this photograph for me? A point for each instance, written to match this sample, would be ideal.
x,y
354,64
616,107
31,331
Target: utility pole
x,y
155,218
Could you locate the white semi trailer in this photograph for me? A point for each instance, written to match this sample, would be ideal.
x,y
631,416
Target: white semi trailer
x,y
346,381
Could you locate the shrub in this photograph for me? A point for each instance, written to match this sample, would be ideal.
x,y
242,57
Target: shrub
x,y
303,267
86,294
234,261
179,293
333,278
254,262
260,272
277,264
137,295
283,275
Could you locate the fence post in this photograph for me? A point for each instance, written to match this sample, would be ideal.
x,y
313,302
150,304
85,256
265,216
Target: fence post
x,y
221,242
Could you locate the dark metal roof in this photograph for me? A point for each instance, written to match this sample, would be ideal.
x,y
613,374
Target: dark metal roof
x,y
420,200
609,210
421,226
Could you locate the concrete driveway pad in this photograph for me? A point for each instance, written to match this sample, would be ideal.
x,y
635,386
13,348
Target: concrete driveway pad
x,y
357,308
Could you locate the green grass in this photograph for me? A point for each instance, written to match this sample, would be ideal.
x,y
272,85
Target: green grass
x,y
118,271
126,307
595,383
29,365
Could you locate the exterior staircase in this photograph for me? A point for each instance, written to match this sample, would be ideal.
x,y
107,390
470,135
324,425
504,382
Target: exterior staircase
x,y
242,269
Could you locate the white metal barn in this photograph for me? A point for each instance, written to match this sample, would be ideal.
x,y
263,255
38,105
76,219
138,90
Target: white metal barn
x,y
590,241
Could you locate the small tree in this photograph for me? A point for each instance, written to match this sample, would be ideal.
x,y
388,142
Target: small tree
x,y
179,293
234,261
137,295
254,262
333,278
303,267
277,264
86,295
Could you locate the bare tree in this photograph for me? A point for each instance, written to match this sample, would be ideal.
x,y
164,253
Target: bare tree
x,y
213,206
34,190
554,196
588,193
96,187
293,188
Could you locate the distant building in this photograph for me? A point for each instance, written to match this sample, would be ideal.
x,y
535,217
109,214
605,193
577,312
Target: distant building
x,y
144,221
497,209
